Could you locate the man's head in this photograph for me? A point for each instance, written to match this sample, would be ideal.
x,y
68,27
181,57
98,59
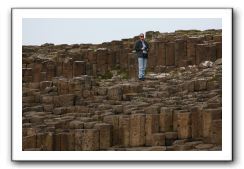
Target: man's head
x,y
141,36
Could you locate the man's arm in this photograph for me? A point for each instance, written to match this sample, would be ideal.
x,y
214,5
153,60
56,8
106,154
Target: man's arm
x,y
137,47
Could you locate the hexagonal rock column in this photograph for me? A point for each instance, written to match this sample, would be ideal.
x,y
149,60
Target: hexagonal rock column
x,y
86,139
114,121
124,130
205,52
191,48
170,54
102,60
133,65
197,123
137,130
166,119
79,68
50,70
68,68
45,141
218,49
161,51
209,117
151,127
184,125
36,72
64,141
105,135
152,54
180,52
216,135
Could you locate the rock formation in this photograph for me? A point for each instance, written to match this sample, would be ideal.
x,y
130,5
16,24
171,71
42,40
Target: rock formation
x,y
87,97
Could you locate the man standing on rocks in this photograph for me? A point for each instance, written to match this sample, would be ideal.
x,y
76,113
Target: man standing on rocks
x,y
142,48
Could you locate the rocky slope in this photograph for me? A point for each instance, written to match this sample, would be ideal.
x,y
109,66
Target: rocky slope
x,y
87,97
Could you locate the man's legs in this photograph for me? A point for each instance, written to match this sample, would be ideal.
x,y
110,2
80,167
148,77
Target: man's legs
x,y
142,63
140,67
144,67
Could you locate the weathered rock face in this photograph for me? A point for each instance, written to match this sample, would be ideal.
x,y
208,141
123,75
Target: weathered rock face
x,y
86,97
